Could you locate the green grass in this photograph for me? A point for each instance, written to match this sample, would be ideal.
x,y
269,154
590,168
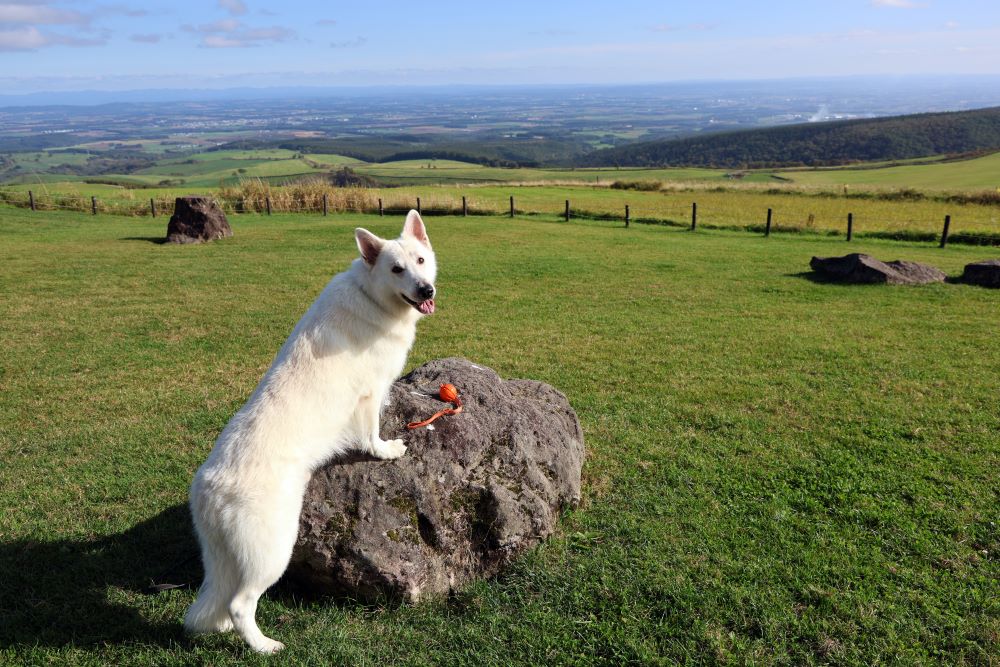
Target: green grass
x,y
978,173
779,471
405,172
42,160
209,169
732,206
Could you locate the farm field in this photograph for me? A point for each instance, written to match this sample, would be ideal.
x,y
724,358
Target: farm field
x,y
779,470
227,167
738,206
405,172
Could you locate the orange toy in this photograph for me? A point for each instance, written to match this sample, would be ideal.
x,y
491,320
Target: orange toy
x,y
447,393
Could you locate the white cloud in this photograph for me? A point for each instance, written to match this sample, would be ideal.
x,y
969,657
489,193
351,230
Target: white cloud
x,y
151,38
30,38
38,14
123,10
24,24
222,25
221,42
898,4
233,34
22,39
350,43
272,34
670,27
234,7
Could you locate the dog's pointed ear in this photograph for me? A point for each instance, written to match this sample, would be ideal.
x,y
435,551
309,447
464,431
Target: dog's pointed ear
x,y
369,245
414,228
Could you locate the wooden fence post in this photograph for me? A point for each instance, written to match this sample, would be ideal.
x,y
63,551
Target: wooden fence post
x,y
850,226
93,205
324,203
152,207
380,212
694,215
31,199
418,204
767,227
267,202
944,232
465,208
512,206
566,214
626,216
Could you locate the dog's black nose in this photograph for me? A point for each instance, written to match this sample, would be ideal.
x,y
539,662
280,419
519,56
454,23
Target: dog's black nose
x,y
425,291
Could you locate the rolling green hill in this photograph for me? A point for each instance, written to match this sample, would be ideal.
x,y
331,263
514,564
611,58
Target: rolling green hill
x,y
978,173
815,144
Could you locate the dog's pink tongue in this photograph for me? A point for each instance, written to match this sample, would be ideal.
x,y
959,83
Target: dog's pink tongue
x,y
427,307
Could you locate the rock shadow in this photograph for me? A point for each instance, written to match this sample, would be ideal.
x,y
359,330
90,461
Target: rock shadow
x,y
158,240
820,278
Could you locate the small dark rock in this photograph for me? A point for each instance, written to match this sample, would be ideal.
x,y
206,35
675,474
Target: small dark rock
x,y
985,273
466,499
861,268
197,219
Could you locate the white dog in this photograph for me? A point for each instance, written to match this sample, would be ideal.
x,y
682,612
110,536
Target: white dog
x,y
321,396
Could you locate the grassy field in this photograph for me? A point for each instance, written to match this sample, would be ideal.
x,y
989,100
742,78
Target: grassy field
x,y
729,207
405,172
780,471
978,173
733,206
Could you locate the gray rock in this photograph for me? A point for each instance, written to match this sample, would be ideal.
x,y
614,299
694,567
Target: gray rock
x,y
861,268
466,499
985,273
197,219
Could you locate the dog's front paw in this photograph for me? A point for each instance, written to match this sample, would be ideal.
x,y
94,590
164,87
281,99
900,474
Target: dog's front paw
x,y
389,449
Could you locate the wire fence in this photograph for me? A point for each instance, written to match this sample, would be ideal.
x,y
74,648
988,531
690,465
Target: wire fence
x,y
680,213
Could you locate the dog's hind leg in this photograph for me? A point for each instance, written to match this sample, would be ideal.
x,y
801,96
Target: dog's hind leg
x,y
263,550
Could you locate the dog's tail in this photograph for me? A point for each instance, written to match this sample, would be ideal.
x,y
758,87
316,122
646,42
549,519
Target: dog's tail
x,y
210,612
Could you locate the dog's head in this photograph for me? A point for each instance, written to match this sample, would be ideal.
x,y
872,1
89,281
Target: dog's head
x,y
402,270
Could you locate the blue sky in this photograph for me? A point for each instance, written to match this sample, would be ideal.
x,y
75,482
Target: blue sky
x,y
50,45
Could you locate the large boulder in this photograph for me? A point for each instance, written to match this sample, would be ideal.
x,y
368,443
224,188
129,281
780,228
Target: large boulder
x,y
472,492
861,268
985,273
197,219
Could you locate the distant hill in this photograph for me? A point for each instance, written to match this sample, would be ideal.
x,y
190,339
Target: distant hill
x,y
817,144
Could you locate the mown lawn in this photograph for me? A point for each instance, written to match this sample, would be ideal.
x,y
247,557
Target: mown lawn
x,y
780,471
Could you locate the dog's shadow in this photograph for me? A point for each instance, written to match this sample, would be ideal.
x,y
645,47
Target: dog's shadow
x,y
78,591
89,592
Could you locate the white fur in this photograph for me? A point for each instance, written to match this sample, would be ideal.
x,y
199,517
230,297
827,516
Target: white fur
x,y
321,396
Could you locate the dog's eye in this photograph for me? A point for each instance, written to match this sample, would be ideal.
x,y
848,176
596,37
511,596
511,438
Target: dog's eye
x,y
397,269
420,260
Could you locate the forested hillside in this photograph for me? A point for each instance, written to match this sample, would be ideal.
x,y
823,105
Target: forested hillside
x,y
815,144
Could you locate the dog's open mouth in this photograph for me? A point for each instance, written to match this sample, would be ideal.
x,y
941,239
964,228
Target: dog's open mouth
x,y
425,307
